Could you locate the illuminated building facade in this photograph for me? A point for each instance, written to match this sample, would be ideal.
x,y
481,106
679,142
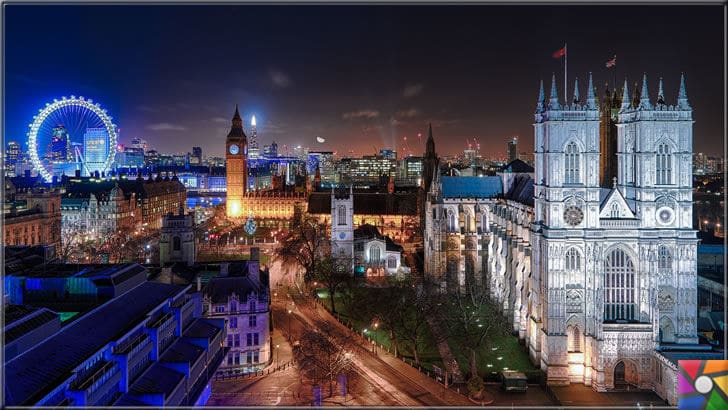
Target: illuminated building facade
x,y
241,296
95,149
177,238
236,167
61,145
31,216
599,282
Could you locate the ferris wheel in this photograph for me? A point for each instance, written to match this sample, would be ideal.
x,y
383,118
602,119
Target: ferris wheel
x,y
71,134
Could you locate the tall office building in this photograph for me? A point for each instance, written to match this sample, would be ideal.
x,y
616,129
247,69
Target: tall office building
x,y
61,145
512,150
253,151
95,149
197,154
12,153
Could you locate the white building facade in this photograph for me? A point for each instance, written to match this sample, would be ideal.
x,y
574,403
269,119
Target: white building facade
x,y
598,281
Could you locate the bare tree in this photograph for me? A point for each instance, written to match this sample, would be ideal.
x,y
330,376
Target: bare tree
x,y
322,356
473,318
72,240
304,245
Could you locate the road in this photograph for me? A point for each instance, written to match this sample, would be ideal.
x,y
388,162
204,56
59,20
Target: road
x,y
372,382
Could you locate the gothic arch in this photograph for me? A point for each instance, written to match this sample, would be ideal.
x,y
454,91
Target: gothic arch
x,y
629,373
667,330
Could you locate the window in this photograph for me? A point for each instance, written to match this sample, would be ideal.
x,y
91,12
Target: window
x,y
236,340
229,340
252,321
664,260
664,165
237,357
468,222
251,306
615,211
177,243
571,166
574,338
252,339
573,265
342,215
434,213
219,309
233,322
230,359
233,306
253,356
451,225
619,287
374,254
392,262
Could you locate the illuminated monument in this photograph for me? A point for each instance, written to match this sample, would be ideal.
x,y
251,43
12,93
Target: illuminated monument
x,y
236,169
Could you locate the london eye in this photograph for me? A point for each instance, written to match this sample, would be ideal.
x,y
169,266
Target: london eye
x,y
69,135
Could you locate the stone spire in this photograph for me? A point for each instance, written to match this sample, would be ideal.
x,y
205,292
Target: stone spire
x,y
625,97
236,117
576,91
554,99
682,97
636,97
541,98
660,94
644,95
591,100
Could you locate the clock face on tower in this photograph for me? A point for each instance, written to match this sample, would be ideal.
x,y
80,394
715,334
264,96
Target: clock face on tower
x,y
573,215
234,149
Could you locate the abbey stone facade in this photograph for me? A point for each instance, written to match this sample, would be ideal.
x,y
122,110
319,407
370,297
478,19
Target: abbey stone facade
x,y
599,281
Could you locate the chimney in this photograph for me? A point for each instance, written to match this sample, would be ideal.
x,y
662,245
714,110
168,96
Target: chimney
x,y
254,264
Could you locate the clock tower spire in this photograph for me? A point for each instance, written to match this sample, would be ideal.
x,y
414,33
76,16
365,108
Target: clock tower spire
x,y
236,166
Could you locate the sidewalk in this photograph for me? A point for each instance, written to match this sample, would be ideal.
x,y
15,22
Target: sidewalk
x,y
447,394
581,395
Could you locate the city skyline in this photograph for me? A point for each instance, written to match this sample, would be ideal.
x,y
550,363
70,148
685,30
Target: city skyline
x,y
473,76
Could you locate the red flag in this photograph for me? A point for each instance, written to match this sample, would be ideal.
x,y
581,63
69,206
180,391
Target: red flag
x,y
560,53
612,62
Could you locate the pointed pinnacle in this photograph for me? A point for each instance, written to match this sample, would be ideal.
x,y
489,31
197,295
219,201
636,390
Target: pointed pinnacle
x,y
591,102
554,99
576,90
644,94
625,96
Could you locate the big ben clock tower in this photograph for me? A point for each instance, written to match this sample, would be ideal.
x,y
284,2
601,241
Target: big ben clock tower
x,y
236,167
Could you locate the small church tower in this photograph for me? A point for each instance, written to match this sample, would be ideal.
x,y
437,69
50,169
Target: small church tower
x,y
342,227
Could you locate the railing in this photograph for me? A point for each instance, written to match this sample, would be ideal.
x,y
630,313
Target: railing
x,y
95,373
250,375
159,321
620,223
128,346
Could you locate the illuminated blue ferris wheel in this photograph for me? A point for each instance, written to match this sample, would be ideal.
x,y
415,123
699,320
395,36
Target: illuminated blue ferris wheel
x,y
69,135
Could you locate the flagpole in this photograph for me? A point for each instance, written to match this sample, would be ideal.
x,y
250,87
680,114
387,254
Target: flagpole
x,y
566,70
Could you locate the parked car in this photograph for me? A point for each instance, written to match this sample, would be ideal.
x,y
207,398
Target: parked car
x,y
513,381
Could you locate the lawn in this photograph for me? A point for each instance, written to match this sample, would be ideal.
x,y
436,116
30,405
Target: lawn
x,y
429,355
505,347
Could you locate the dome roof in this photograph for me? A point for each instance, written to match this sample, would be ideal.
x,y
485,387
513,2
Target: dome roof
x,y
116,193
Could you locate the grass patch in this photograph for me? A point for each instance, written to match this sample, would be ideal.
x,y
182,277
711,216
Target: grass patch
x,y
348,314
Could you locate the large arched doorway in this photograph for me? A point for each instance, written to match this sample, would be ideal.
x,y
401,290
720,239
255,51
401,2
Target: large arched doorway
x,y
625,375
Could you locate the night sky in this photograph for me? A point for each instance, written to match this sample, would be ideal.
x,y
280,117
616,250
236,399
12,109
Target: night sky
x,y
362,77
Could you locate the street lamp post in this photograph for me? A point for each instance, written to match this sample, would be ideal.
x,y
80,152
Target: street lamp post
x,y
289,324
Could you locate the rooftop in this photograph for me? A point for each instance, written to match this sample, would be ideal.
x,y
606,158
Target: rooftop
x,y
182,352
472,187
48,364
368,203
521,190
517,166
157,379
219,289
204,329
20,320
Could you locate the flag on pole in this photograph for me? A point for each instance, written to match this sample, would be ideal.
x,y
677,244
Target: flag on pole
x,y
560,53
612,62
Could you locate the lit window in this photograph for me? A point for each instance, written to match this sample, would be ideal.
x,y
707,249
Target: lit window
x,y
571,167
619,287
664,165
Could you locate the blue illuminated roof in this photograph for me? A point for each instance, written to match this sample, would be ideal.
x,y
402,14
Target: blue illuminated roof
x,y
41,369
471,187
